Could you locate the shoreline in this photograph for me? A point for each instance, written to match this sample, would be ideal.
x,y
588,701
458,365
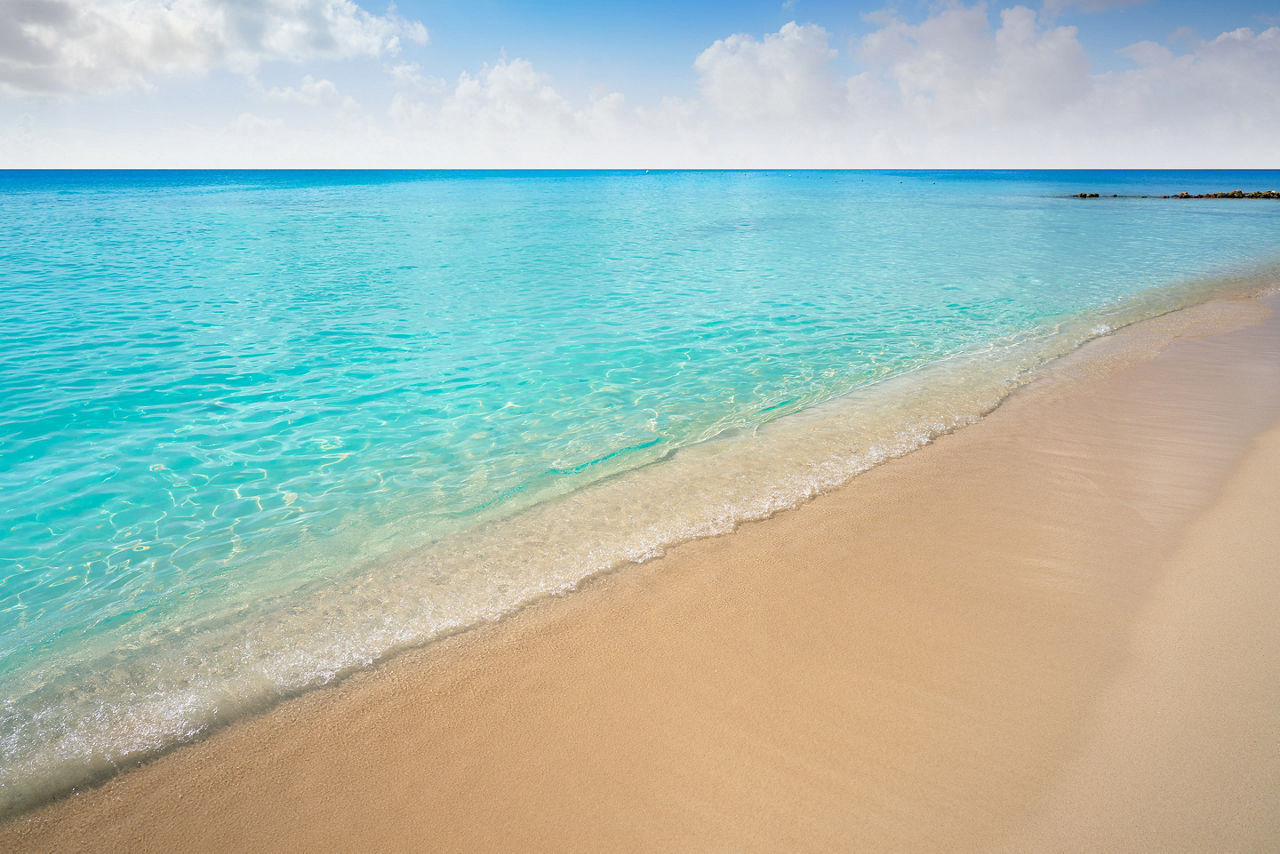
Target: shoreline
x,y
708,698
342,504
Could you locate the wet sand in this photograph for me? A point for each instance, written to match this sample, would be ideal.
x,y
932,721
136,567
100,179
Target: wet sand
x,y
1053,630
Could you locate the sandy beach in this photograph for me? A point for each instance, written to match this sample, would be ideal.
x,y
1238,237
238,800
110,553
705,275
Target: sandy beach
x,y
1053,630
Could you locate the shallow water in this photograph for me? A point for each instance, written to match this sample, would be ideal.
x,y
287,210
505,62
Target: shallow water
x,y
261,429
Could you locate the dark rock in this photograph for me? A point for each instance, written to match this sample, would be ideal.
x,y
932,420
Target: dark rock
x,y
1234,194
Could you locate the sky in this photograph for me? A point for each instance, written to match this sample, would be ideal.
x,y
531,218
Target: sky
x,y
661,84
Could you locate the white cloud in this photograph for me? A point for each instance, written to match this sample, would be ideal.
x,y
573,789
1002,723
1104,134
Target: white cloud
x,y
509,114
505,97
1221,92
61,46
408,76
787,73
313,93
953,69
954,90
1147,53
413,93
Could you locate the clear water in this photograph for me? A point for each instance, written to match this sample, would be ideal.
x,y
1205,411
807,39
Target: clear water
x,y
258,430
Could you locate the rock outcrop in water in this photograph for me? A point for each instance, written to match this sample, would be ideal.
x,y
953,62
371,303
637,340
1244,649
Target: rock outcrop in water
x,y
1234,194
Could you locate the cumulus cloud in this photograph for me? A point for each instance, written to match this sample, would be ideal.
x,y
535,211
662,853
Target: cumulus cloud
x,y
72,46
505,97
1223,89
953,68
1147,53
966,87
787,73
510,114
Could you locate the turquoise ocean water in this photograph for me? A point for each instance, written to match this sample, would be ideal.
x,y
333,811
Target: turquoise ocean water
x,y
261,429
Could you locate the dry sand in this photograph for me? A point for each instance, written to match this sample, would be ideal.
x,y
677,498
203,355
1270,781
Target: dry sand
x,y
1054,630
